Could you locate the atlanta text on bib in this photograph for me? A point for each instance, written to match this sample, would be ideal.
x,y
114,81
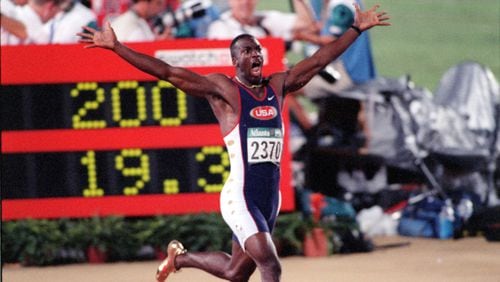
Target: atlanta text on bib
x,y
264,145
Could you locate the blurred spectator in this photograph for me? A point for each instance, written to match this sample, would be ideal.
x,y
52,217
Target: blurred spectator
x,y
67,23
355,65
107,10
11,29
134,25
32,15
358,58
343,122
8,6
242,17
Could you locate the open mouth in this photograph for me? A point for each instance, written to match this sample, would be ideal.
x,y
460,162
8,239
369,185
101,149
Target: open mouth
x,y
256,67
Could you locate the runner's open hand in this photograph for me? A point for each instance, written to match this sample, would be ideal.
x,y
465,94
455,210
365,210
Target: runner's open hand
x,y
370,18
94,38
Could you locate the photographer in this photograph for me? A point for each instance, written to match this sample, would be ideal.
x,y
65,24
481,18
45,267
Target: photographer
x,y
190,19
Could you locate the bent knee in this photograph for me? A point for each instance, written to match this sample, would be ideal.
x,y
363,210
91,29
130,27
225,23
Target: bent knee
x,y
239,276
272,266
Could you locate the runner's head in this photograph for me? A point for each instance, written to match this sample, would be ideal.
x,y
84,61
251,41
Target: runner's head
x,y
246,55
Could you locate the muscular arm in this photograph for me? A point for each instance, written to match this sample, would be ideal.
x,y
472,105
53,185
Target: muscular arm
x,y
303,71
182,78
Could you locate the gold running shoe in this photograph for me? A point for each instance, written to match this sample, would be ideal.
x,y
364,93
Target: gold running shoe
x,y
167,266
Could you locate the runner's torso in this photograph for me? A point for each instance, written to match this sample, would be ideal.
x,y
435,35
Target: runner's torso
x,y
250,199
258,136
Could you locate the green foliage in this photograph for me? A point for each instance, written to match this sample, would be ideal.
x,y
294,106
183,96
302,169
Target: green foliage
x,y
75,234
118,237
204,232
289,233
12,241
42,242
99,232
31,242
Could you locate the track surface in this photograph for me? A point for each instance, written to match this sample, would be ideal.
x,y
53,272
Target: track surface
x,y
469,259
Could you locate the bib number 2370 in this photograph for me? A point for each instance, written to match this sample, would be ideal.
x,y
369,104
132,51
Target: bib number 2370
x,y
264,145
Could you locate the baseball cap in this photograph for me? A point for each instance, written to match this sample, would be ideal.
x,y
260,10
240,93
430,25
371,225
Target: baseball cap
x,y
340,18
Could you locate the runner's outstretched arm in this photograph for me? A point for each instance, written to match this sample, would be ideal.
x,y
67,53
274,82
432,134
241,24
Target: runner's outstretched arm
x,y
182,78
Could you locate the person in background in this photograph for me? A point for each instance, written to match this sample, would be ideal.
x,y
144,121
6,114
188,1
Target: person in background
x,y
341,122
204,12
33,15
63,28
8,5
248,108
355,66
10,27
242,17
107,10
134,25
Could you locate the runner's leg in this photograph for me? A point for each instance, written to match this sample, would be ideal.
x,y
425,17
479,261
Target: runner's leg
x,y
236,267
261,249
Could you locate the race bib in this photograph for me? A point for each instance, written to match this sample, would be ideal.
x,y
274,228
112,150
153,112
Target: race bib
x,y
264,145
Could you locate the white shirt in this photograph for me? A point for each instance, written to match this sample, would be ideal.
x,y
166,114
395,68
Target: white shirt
x,y
63,28
7,7
33,24
278,24
129,27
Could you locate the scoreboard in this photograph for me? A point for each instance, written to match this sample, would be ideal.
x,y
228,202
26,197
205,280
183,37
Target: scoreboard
x,y
84,133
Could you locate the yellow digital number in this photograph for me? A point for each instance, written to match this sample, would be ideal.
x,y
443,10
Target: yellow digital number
x,y
141,172
78,118
171,186
221,168
182,111
93,189
116,104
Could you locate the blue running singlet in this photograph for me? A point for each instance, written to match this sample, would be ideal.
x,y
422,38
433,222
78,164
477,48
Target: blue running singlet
x,y
250,199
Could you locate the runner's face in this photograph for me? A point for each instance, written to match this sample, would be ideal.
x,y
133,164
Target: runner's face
x,y
249,59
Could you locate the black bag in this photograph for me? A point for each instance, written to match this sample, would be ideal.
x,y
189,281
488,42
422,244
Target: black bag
x,y
486,220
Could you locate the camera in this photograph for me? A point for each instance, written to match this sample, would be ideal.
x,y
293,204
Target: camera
x,y
190,9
